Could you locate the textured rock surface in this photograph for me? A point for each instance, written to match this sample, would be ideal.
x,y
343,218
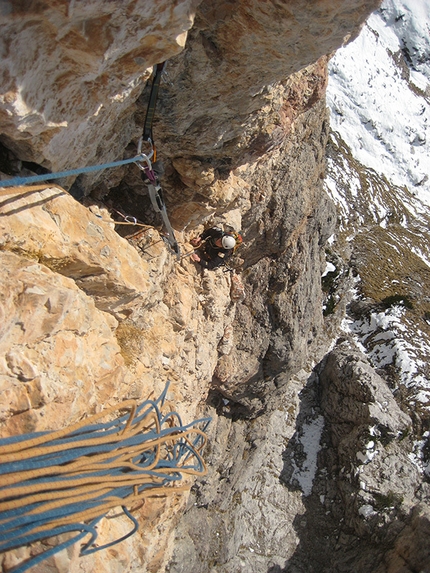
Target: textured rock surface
x,y
241,517
368,493
238,58
52,333
63,358
348,496
48,225
242,130
71,73
280,321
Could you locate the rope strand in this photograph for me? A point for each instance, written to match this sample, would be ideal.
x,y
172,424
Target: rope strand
x,y
16,181
67,480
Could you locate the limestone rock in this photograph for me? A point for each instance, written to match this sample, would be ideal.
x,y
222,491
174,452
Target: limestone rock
x,y
237,58
242,130
280,323
46,224
61,359
372,481
59,355
241,517
354,395
72,72
193,173
237,291
411,551
83,68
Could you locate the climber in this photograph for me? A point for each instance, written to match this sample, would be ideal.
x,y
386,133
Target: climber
x,y
215,247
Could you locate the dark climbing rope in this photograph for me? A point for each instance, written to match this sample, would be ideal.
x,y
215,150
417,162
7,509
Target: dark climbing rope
x,y
150,111
150,171
66,481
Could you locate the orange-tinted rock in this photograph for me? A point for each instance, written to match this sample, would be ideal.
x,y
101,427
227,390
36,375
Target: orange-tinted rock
x,y
56,348
49,226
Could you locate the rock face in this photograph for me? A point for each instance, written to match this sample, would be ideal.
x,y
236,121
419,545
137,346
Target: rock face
x,y
348,497
280,320
241,517
70,74
242,53
89,319
369,493
79,333
47,225
49,333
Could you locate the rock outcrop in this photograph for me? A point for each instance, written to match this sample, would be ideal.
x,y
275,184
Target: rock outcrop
x,y
50,333
238,58
47,225
369,493
70,74
89,319
80,332
349,496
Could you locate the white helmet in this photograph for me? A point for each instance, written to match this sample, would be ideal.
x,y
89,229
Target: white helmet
x,y
228,242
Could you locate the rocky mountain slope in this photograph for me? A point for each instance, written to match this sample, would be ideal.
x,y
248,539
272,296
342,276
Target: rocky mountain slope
x,y
377,177
389,227
90,318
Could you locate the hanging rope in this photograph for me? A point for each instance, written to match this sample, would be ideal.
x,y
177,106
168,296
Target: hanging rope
x,y
48,176
150,111
149,174
66,481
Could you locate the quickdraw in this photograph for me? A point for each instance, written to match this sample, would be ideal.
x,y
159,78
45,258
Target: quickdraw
x,y
149,177
149,172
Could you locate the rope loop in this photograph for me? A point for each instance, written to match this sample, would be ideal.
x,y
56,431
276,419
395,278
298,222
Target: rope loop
x,y
66,481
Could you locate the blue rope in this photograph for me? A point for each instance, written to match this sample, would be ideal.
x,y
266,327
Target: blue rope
x,y
42,556
125,466
89,548
59,175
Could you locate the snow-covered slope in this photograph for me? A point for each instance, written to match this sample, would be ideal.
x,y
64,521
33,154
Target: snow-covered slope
x,y
379,94
379,176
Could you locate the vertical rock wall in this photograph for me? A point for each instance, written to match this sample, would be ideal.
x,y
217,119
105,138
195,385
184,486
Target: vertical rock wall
x,y
223,98
71,71
242,128
70,74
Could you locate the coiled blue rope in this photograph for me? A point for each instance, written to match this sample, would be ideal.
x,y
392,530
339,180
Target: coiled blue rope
x,y
65,482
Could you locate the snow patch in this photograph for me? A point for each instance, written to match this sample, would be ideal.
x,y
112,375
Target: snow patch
x,y
310,441
366,511
369,453
328,269
418,457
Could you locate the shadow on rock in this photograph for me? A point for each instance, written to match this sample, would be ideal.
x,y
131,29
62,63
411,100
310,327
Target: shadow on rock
x,y
366,500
